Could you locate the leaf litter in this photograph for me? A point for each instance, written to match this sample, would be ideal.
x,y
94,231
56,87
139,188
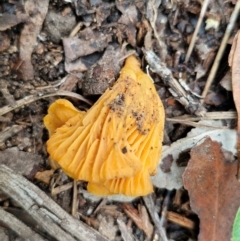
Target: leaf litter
x,y
213,189
49,60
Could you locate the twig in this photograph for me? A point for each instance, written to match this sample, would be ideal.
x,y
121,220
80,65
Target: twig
x,y
164,212
194,124
187,99
61,188
180,220
155,218
215,115
75,199
152,20
126,235
194,37
76,29
191,121
31,98
18,226
52,218
218,58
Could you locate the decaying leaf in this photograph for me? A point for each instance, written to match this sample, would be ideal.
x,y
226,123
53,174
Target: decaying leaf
x,y
213,189
173,179
128,21
10,20
102,75
234,59
226,81
75,47
44,176
116,145
29,35
22,162
58,25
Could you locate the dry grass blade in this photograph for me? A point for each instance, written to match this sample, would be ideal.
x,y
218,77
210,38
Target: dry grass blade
x,y
218,58
194,37
29,99
75,199
191,120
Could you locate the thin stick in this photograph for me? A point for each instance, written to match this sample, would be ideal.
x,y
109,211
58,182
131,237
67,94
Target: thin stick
x,y
215,115
49,216
194,124
18,226
194,37
75,199
31,98
218,58
61,188
155,218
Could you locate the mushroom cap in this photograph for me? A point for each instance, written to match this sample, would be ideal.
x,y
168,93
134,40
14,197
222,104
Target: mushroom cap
x,y
137,185
59,113
116,144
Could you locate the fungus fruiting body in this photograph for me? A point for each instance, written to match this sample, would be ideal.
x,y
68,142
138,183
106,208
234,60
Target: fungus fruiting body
x,y
115,146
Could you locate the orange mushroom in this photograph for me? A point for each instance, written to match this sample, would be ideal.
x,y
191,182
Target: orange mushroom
x,y
59,113
116,144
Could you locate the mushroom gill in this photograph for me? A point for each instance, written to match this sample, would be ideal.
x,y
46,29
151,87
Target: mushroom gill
x,y
116,144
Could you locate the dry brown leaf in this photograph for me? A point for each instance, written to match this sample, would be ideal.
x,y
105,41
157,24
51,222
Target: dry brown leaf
x,y
44,176
75,47
213,189
234,60
102,74
24,163
226,81
9,20
29,35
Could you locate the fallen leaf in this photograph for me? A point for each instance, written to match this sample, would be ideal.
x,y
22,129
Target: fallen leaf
x,y
57,25
234,59
44,176
36,14
127,22
213,190
173,179
9,20
82,64
102,74
226,81
215,98
24,163
75,47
